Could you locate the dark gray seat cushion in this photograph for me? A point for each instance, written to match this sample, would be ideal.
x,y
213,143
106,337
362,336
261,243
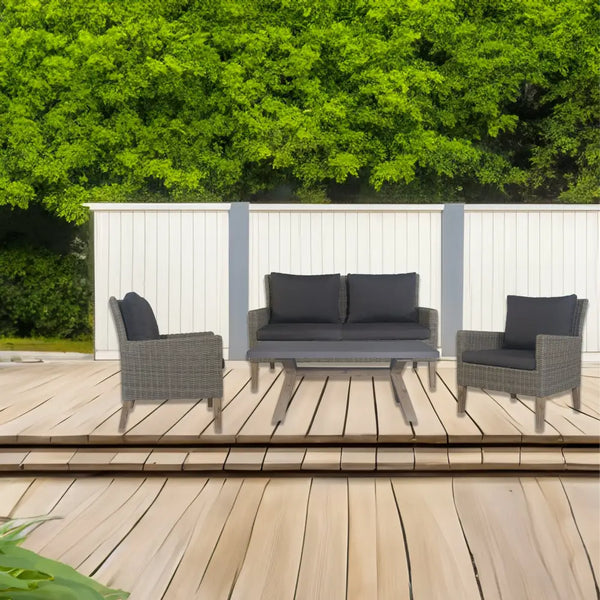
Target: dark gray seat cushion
x,y
382,298
510,358
384,331
304,298
527,317
138,317
293,332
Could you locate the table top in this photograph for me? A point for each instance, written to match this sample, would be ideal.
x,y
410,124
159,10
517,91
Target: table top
x,y
345,349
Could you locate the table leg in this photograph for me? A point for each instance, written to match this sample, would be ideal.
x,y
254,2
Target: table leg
x,y
401,393
254,377
289,369
432,378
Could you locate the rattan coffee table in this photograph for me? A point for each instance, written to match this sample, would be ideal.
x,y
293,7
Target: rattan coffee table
x,y
397,352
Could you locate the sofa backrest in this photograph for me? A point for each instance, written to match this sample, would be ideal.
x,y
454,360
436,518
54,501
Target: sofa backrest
x,y
343,300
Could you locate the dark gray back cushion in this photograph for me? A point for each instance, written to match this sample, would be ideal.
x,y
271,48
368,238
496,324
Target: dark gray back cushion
x,y
382,298
304,298
527,317
138,317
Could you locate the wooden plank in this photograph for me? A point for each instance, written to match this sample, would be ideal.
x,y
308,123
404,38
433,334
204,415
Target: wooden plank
x,y
459,429
590,397
230,549
146,542
501,457
48,460
331,414
439,557
322,459
11,460
541,458
582,459
362,539
431,459
283,459
465,458
210,459
42,496
11,492
575,427
391,426
165,460
361,423
324,554
217,500
199,419
245,459
395,459
358,459
93,459
393,579
583,494
278,532
540,555
429,428
300,412
132,460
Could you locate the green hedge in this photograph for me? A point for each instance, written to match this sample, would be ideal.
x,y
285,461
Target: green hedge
x,y
43,293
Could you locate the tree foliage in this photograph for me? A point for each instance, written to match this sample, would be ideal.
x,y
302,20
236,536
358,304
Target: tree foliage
x,y
194,100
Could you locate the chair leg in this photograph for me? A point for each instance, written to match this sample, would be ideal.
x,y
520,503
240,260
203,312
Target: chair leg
x,y
513,397
126,408
210,403
540,413
217,414
271,366
254,377
462,399
576,393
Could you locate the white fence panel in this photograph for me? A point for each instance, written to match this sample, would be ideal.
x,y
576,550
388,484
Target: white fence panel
x,y
176,256
530,250
314,239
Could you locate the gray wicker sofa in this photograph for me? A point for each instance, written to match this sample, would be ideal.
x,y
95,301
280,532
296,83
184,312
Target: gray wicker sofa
x,y
335,307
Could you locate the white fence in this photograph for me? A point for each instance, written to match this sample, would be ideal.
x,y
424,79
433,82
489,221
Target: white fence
x,y
530,250
175,255
360,238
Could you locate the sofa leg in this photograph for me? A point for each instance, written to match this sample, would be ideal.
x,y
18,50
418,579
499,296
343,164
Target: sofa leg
x,y
576,393
217,415
513,397
462,399
540,413
415,364
432,378
254,377
209,403
271,366
125,410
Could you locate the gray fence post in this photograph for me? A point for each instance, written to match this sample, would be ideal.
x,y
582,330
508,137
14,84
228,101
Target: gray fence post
x,y
239,249
453,248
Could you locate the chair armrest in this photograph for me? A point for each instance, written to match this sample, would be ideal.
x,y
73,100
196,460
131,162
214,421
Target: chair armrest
x,y
428,317
558,355
256,319
194,334
477,340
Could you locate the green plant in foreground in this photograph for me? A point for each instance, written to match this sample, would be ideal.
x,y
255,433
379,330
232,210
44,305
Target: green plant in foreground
x,y
26,575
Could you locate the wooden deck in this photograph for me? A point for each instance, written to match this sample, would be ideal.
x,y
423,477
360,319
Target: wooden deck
x,y
64,416
422,538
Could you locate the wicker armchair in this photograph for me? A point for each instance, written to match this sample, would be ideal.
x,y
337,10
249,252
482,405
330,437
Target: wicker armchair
x,y
557,366
175,367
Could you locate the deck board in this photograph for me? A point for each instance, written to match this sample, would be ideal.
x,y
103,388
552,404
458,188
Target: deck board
x,y
321,537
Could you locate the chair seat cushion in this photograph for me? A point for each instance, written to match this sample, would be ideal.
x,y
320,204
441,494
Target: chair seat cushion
x,y
382,298
528,317
293,332
384,331
138,318
510,358
304,298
